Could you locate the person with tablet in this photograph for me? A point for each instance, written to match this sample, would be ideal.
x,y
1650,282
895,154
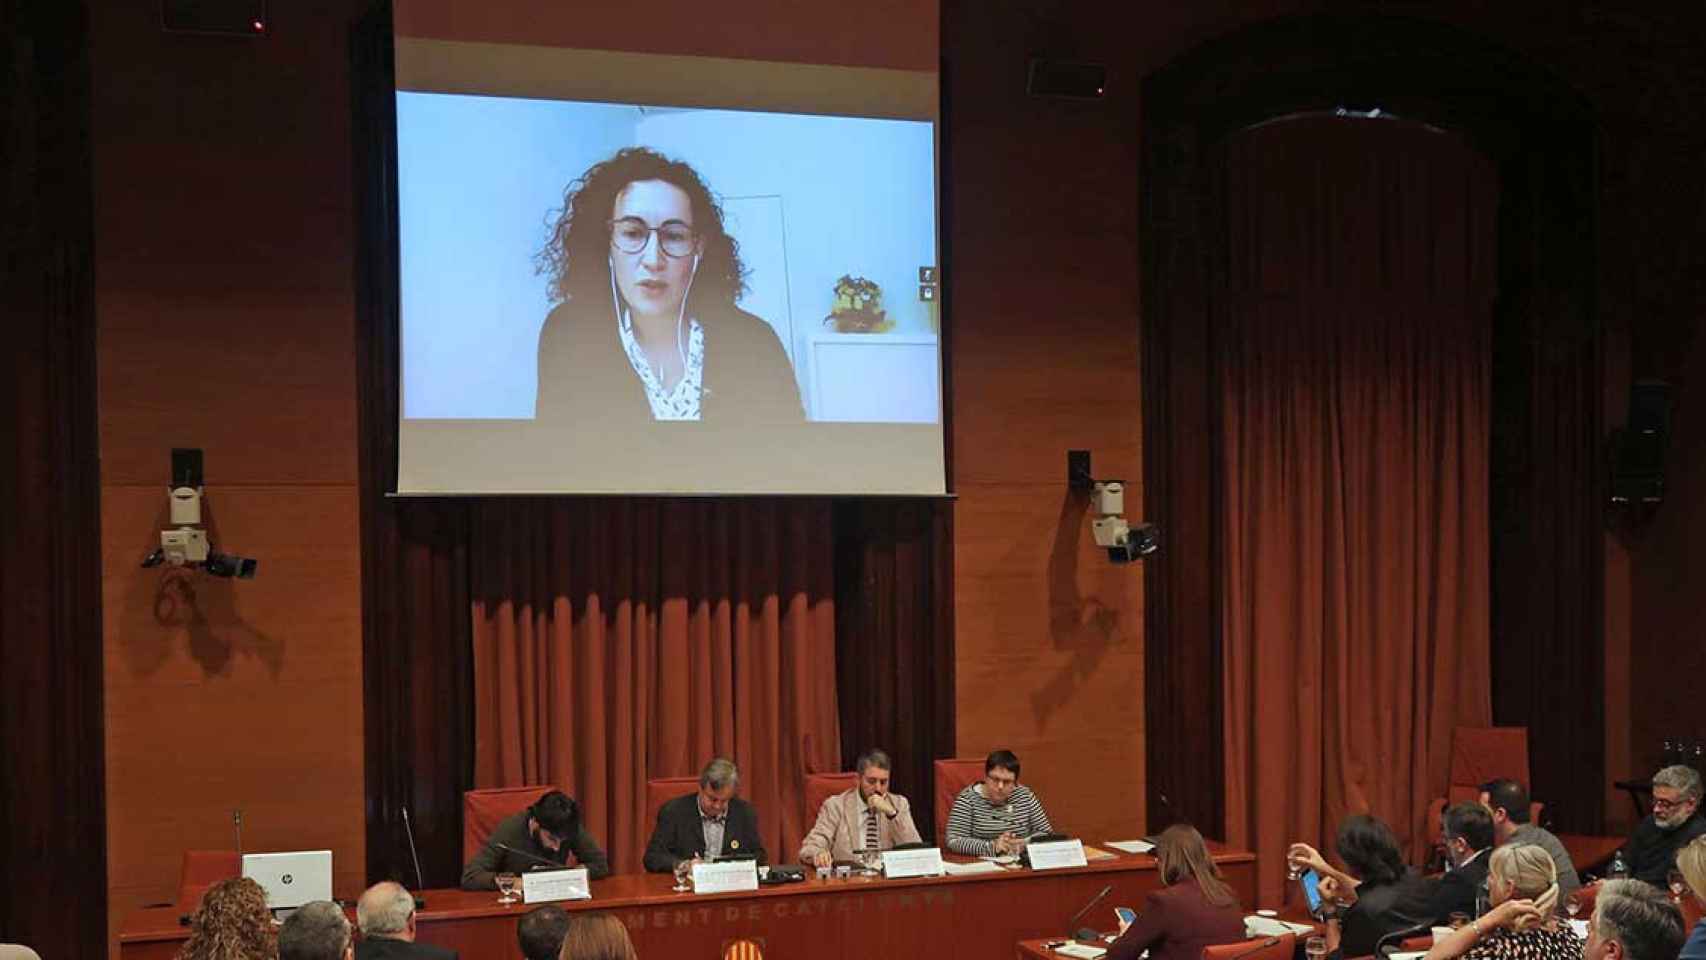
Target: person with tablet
x,y
1380,895
996,815
708,823
646,328
1195,907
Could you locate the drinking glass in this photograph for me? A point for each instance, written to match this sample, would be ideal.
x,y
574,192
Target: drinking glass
x,y
1457,919
870,860
1573,906
1315,947
683,874
507,882
1678,886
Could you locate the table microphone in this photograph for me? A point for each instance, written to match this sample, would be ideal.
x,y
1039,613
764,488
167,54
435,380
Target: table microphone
x,y
420,883
523,853
1087,933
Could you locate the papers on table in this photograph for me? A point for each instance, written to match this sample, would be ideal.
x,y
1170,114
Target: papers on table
x,y
1408,955
1259,926
543,886
1580,927
1132,846
975,866
1081,950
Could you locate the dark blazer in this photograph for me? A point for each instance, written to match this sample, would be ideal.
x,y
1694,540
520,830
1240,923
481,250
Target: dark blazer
x,y
1384,908
482,871
1652,849
1176,923
1459,890
384,948
680,834
584,373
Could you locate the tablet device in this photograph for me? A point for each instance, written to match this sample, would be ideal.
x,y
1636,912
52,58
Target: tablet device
x,y
1127,915
1311,890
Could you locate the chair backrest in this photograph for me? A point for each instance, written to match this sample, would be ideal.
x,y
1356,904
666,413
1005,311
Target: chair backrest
x,y
662,791
952,775
483,810
1479,754
820,787
1274,948
200,869
743,949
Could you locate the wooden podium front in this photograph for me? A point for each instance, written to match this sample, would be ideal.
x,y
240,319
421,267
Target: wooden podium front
x,y
982,915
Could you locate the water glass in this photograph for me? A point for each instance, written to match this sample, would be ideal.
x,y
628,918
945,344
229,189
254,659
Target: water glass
x,y
683,873
507,884
1315,947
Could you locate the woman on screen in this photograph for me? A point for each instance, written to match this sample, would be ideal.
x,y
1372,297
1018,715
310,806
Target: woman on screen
x,y
646,326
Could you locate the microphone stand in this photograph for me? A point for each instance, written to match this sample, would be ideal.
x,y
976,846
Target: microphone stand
x,y
420,883
1080,933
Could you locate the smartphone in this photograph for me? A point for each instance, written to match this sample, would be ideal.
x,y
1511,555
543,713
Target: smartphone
x,y
1311,890
1127,915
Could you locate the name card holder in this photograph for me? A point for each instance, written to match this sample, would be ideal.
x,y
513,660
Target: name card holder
x,y
725,876
926,862
542,886
1056,854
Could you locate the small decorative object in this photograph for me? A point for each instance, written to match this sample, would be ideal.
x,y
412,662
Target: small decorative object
x,y
858,307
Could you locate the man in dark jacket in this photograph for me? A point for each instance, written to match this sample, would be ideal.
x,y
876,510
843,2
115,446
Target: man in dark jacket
x,y
1675,820
710,822
386,915
1467,832
542,836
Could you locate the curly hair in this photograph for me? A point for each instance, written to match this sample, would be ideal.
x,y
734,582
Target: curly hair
x,y
575,260
232,923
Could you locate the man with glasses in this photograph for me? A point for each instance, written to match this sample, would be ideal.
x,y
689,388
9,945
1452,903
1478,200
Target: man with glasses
x,y
1467,834
1675,820
1508,803
996,815
541,837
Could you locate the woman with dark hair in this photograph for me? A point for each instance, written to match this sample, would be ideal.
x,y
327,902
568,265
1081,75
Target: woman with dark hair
x,y
1193,909
1380,894
231,923
646,327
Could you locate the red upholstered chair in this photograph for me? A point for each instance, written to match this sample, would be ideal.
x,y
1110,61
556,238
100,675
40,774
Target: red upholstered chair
x,y
662,791
820,787
1479,754
483,810
1691,912
1274,948
201,869
952,775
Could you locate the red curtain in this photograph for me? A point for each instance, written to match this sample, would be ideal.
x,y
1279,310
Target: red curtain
x,y
1353,321
617,641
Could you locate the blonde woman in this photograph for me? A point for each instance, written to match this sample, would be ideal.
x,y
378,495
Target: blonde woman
x,y
1522,884
1691,860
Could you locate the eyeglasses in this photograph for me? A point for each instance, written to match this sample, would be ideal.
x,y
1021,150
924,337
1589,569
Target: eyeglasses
x,y
1660,803
630,235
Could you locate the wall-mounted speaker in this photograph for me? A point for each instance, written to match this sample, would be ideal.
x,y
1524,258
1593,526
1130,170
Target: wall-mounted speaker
x,y
1638,450
225,18
1066,78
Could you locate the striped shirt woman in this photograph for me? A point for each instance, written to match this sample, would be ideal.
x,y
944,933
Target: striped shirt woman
x,y
975,823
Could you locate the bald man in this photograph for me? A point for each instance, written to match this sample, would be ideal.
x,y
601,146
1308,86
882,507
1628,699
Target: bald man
x,y
386,915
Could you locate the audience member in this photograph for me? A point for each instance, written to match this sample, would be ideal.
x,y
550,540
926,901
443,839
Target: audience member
x,y
865,817
1380,894
596,936
1467,833
996,815
711,822
545,833
1675,820
386,915
1633,920
1509,804
317,930
231,923
1523,923
541,931
1691,860
1193,909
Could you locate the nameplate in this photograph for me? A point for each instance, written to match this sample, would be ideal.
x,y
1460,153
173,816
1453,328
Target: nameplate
x,y
926,862
540,886
1056,854
725,876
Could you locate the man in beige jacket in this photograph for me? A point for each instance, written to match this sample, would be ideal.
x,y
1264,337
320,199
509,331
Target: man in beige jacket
x,y
863,818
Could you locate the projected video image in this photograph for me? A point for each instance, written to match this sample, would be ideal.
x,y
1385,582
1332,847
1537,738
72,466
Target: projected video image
x,y
564,262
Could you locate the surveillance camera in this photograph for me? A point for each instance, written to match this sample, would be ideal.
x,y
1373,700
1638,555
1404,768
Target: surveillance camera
x,y
1139,542
228,566
186,543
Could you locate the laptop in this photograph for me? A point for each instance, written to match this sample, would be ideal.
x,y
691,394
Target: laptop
x,y
291,879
